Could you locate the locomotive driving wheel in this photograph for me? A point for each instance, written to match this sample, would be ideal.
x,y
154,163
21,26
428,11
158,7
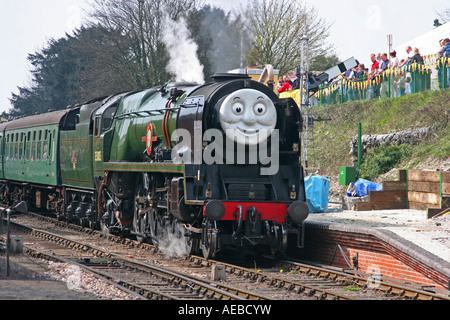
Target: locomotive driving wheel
x,y
141,211
154,225
279,240
210,238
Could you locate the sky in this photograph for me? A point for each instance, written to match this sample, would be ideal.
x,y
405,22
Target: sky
x,y
358,28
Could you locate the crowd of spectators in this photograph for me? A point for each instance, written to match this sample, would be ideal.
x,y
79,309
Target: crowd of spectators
x,y
379,63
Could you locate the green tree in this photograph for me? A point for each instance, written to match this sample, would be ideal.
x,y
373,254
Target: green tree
x,y
324,62
54,70
72,70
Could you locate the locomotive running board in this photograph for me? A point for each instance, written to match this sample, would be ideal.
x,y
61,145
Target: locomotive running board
x,y
144,167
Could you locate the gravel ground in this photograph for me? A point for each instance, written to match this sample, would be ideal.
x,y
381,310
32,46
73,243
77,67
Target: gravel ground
x,y
28,281
36,279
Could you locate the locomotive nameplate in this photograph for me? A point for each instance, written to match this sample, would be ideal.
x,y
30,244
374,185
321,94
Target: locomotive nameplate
x,y
194,102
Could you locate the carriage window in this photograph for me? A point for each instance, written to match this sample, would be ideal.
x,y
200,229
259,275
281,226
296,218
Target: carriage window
x,y
20,151
8,146
21,146
27,151
97,126
33,150
50,148
38,154
108,117
44,151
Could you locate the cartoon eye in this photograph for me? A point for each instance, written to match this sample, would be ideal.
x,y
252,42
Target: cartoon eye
x,y
238,108
260,109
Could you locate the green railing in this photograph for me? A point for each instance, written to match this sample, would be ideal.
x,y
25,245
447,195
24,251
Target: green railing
x,y
394,83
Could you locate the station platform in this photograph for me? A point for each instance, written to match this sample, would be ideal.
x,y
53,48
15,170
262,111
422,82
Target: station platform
x,y
400,244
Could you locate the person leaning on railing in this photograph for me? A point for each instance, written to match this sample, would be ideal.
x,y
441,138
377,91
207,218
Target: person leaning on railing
x,y
417,58
446,54
394,62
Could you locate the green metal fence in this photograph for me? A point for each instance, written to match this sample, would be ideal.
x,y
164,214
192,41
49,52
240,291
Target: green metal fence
x,y
390,84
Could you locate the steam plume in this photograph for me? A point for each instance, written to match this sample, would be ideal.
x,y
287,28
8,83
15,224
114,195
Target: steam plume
x,y
184,63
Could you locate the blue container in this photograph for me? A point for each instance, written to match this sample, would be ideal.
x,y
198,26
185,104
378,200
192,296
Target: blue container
x,y
317,193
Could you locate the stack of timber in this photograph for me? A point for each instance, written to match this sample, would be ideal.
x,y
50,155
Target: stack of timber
x,y
415,189
393,196
429,190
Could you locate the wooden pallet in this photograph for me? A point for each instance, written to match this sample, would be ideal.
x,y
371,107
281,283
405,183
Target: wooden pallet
x,y
429,190
415,189
393,196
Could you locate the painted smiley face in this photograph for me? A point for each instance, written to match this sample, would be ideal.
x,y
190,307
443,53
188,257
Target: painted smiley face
x,y
248,116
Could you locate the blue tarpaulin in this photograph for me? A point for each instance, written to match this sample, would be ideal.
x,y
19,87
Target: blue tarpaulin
x,y
317,192
362,187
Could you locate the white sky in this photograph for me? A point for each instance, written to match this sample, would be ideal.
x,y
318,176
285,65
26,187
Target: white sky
x,y
359,27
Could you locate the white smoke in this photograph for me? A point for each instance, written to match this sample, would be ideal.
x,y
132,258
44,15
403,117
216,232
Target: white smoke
x,y
173,243
184,63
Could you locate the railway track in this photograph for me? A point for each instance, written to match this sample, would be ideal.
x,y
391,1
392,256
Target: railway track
x,y
112,257
146,280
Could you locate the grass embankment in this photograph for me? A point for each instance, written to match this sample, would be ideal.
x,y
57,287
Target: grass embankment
x,y
383,116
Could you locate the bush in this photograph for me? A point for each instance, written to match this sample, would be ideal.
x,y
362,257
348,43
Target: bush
x,y
383,159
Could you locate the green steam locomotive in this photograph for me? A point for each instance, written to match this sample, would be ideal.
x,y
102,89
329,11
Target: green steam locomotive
x,y
212,166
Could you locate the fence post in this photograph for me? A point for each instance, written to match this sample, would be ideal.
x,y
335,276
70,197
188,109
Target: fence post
x,y
359,146
389,84
444,73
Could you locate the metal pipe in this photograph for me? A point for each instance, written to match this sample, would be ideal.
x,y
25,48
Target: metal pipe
x,y
8,240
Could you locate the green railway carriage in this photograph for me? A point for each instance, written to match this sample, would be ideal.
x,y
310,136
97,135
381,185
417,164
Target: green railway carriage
x,y
2,146
30,149
30,160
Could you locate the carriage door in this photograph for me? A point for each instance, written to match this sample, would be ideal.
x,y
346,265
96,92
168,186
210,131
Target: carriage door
x,y
97,147
103,133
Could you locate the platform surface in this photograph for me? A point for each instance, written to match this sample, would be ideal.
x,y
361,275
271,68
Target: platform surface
x,y
432,235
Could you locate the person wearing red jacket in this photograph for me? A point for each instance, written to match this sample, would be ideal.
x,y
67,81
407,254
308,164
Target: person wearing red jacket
x,y
286,86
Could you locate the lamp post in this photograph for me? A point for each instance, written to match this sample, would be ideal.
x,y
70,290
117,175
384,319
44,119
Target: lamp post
x,y
8,240
304,94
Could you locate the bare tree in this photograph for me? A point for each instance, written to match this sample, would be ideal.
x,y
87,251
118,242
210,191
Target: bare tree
x,y
444,16
277,27
142,23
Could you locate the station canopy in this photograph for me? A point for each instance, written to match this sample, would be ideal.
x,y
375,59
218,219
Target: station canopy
x,y
428,43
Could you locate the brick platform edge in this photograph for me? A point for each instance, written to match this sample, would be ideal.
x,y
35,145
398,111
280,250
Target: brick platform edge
x,y
374,251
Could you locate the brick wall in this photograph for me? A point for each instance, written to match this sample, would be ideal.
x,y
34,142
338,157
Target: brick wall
x,y
374,256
